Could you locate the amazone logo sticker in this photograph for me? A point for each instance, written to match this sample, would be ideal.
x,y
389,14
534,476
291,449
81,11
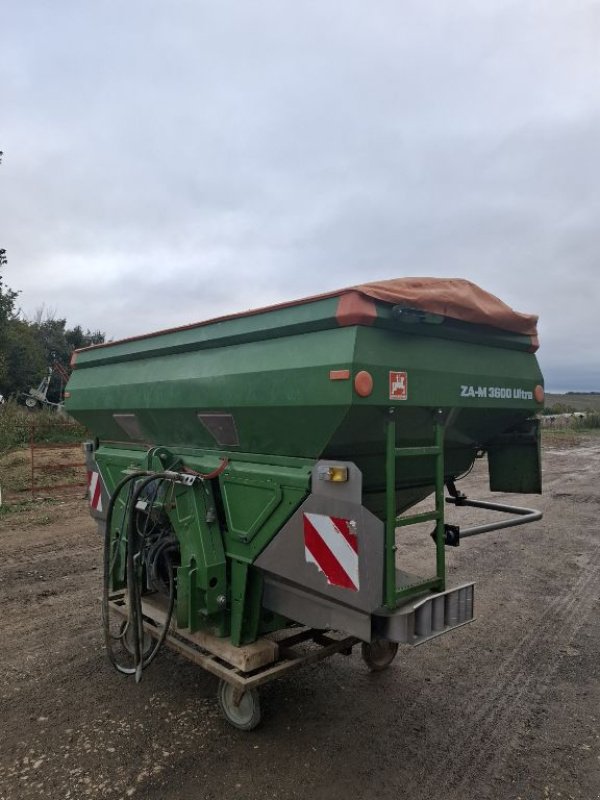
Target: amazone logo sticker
x,y
398,386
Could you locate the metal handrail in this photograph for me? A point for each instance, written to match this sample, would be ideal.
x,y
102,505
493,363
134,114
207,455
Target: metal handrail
x,y
521,515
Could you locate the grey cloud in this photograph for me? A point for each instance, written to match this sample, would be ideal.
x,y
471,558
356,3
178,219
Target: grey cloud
x,y
169,162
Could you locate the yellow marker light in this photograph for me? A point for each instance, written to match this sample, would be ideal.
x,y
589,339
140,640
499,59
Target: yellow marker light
x,y
336,474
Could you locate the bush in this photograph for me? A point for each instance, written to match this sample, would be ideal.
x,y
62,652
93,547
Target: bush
x,y
558,408
16,425
590,421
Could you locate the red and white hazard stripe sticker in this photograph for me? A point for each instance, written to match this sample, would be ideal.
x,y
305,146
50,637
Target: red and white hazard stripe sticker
x,y
95,490
331,543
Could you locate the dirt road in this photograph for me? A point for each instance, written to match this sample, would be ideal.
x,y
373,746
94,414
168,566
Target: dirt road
x,y
508,707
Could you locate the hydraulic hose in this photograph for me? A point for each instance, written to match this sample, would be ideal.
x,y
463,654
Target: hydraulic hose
x,y
206,476
133,586
108,567
134,594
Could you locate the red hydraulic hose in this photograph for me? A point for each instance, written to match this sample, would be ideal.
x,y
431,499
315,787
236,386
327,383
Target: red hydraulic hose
x,y
209,475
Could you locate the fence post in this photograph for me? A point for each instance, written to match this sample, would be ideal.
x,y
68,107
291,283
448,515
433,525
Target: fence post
x,y
31,448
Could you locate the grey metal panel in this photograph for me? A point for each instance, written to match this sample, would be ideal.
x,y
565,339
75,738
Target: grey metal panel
x,y
285,556
313,610
417,621
349,490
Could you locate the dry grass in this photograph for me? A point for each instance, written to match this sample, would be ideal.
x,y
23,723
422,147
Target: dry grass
x,y
573,402
52,466
57,441
567,437
17,425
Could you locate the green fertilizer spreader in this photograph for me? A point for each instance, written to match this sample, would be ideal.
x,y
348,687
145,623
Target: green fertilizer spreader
x,y
253,475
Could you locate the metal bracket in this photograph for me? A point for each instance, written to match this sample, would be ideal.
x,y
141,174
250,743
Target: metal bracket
x,y
451,535
454,492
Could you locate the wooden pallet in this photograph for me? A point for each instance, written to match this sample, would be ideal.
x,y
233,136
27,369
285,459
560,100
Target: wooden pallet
x,y
245,667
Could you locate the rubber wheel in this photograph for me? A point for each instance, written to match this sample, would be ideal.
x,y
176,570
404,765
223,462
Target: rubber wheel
x,y
378,654
245,716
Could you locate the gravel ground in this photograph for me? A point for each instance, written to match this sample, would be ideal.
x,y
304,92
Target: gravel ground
x,y
507,707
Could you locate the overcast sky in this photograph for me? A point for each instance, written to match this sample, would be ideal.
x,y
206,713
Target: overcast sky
x,y
165,162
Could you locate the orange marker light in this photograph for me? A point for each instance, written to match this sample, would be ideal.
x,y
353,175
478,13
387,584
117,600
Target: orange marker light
x,y
363,383
538,394
339,374
335,474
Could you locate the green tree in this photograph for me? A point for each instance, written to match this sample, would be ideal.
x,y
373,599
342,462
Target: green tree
x,y
77,338
29,347
7,302
57,343
7,315
24,360
7,296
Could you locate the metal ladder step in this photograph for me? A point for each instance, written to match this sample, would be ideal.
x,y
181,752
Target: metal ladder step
x,y
418,621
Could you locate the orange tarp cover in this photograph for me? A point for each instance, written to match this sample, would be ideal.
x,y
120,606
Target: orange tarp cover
x,y
451,297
